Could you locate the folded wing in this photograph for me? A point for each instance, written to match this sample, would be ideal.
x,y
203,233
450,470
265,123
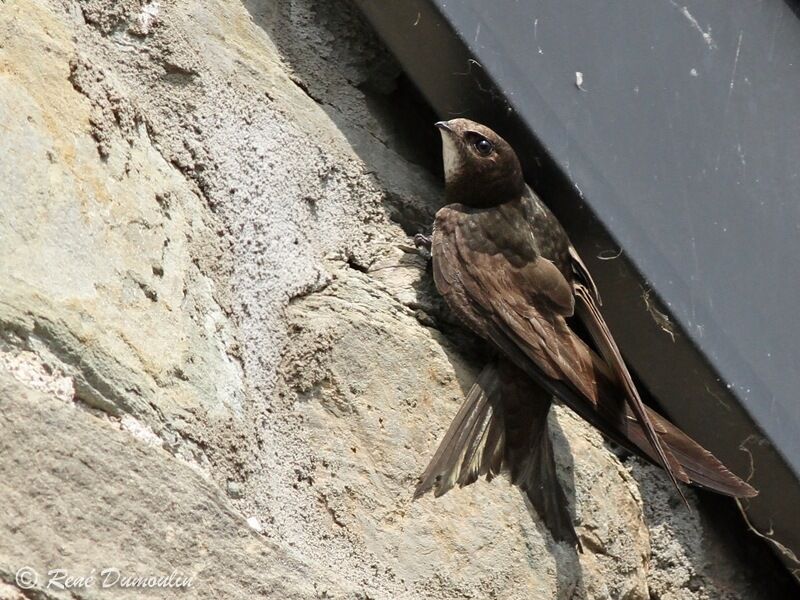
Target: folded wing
x,y
522,308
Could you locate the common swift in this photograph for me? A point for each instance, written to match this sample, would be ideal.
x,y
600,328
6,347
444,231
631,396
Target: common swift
x,y
506,268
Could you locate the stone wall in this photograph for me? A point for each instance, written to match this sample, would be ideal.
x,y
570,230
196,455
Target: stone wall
x,y
218,355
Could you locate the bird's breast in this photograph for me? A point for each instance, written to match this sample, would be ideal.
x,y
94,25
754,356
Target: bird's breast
x,y
512,229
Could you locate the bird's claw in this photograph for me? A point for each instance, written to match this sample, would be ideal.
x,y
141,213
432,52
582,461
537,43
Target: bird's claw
x,y
422,241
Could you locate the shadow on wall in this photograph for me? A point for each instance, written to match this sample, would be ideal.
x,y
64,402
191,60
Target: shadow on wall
x,y
375,106
348,72
569,571
354,79
705,547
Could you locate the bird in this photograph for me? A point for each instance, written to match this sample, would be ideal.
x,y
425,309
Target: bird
x,y
507,270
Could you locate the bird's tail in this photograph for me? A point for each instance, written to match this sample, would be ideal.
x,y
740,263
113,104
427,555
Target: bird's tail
x,y
502,426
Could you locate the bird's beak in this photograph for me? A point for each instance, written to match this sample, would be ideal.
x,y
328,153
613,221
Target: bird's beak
x,y
444,126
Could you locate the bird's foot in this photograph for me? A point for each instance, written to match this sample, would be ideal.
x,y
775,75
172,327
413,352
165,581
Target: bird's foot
x,y
423,241
423,245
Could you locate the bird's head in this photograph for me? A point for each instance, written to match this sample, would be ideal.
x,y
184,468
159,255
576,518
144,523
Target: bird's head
x,y
480,167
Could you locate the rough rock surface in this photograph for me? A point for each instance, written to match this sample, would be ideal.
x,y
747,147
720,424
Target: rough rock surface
x,y
217,356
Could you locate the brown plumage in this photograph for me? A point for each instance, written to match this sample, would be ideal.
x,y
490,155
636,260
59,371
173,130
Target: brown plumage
x,y
507,269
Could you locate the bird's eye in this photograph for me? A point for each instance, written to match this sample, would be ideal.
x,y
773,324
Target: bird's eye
x,y
483,146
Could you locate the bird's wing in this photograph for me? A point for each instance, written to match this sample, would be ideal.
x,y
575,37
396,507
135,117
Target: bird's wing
x,y
502,426
697,463
521,306
582,274
588,312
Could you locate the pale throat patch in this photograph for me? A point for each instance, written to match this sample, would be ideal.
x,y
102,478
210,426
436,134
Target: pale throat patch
x,y
450,156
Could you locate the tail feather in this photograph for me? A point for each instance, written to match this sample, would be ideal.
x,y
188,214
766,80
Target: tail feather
x,y
529,454
502,426
463,455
